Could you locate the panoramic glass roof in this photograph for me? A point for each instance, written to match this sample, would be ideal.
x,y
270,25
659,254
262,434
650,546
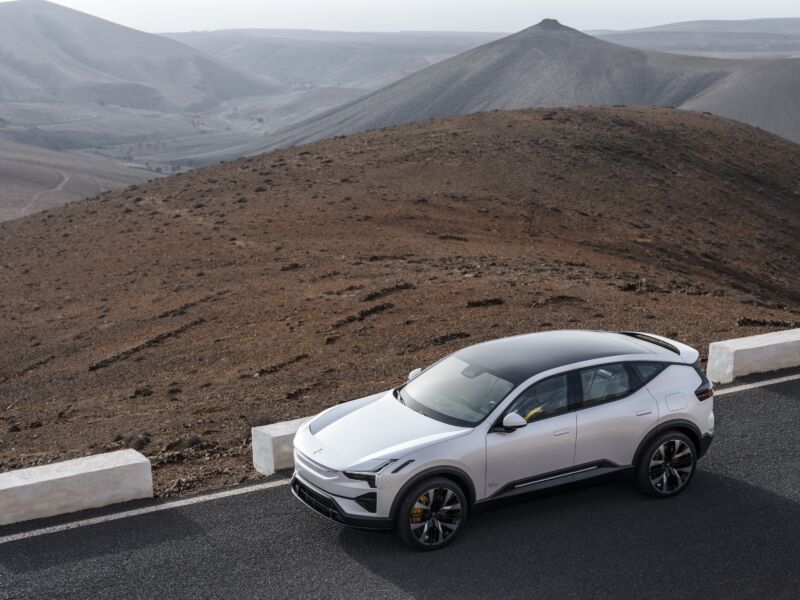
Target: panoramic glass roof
x,y
521,357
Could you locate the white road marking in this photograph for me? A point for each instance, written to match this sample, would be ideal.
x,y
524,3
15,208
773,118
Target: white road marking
x,y
264,486
143,511
750,386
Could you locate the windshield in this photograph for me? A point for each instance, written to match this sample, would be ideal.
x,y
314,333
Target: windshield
x,y
456,392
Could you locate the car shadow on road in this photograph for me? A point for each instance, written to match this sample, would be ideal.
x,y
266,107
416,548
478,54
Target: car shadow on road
x,y
721,538
103,539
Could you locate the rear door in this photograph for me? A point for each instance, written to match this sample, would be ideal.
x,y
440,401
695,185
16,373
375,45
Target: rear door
x,y
615,413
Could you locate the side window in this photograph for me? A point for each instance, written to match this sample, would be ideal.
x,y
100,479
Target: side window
x,y
544,399
647,371
604,383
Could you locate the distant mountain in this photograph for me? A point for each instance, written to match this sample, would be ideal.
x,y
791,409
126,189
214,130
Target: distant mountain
x,y
759,38
74,83
75,89
332,58
49,53
552,65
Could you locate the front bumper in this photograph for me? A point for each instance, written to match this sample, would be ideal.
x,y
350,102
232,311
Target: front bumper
x,y
326,504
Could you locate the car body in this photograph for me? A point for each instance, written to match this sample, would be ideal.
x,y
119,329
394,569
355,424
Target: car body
x,y
503,418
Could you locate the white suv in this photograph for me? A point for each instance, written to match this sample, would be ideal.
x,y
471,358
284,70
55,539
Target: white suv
x,y
502,418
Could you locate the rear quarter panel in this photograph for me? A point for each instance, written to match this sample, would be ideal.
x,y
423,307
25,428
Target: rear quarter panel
x,y
674,390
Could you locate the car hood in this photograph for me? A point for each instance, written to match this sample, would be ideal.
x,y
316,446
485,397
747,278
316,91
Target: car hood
x,y
375,427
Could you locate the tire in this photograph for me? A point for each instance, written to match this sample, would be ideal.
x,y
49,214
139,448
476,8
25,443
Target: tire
x,y
426,530
667,465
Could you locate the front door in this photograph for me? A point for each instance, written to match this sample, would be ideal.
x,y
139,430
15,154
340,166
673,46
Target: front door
x,y
545,445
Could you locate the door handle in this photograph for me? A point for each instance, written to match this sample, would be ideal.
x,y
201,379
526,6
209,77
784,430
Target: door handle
x,y
561,432
642,413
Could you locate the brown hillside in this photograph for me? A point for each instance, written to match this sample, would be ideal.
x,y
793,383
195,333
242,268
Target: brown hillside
x,y
174,315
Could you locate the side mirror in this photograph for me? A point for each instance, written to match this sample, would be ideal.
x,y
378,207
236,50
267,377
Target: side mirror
x,y
414,374
513,421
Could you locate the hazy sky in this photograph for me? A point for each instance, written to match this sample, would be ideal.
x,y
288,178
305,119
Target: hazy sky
x,y
394,15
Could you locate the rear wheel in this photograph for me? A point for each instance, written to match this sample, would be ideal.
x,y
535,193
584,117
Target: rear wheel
x,y
667,465
431,514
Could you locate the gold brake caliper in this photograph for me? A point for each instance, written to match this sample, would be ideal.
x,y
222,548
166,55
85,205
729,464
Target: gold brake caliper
x,y
417,513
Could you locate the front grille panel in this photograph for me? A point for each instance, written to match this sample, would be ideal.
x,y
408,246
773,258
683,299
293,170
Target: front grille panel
x,y
316,502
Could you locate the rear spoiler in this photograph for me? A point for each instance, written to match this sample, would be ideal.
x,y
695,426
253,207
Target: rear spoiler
x,y
688,354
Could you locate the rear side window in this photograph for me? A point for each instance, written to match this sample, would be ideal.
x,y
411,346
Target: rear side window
x,y
647,371
605,383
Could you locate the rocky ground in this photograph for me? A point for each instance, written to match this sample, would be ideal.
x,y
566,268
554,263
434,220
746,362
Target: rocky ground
x,y
172,316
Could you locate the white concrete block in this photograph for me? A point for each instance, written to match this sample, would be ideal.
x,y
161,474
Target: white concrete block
x,y
273,447
74,485
756,354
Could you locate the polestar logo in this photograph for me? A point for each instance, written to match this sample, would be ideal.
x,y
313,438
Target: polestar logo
x,y
317,451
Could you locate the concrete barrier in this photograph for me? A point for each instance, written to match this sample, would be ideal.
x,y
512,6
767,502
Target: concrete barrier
x,y
756,354
273,447
74,485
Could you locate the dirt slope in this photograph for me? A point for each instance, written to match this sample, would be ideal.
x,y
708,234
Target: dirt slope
x,y
173,316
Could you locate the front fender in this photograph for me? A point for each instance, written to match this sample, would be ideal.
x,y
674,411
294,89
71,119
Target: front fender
x,y
454,472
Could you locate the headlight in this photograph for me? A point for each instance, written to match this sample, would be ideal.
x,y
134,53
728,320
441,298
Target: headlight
x,y
368,471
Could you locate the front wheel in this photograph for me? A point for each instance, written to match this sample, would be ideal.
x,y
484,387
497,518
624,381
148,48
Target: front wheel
x,y
667,465
431,514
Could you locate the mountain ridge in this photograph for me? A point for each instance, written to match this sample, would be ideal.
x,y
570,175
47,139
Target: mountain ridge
x,y
753,38
52,53
550,64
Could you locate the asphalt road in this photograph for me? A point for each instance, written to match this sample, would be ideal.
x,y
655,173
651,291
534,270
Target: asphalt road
x,y
735,533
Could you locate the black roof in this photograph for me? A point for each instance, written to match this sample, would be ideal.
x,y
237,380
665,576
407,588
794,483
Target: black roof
x,y
521,357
